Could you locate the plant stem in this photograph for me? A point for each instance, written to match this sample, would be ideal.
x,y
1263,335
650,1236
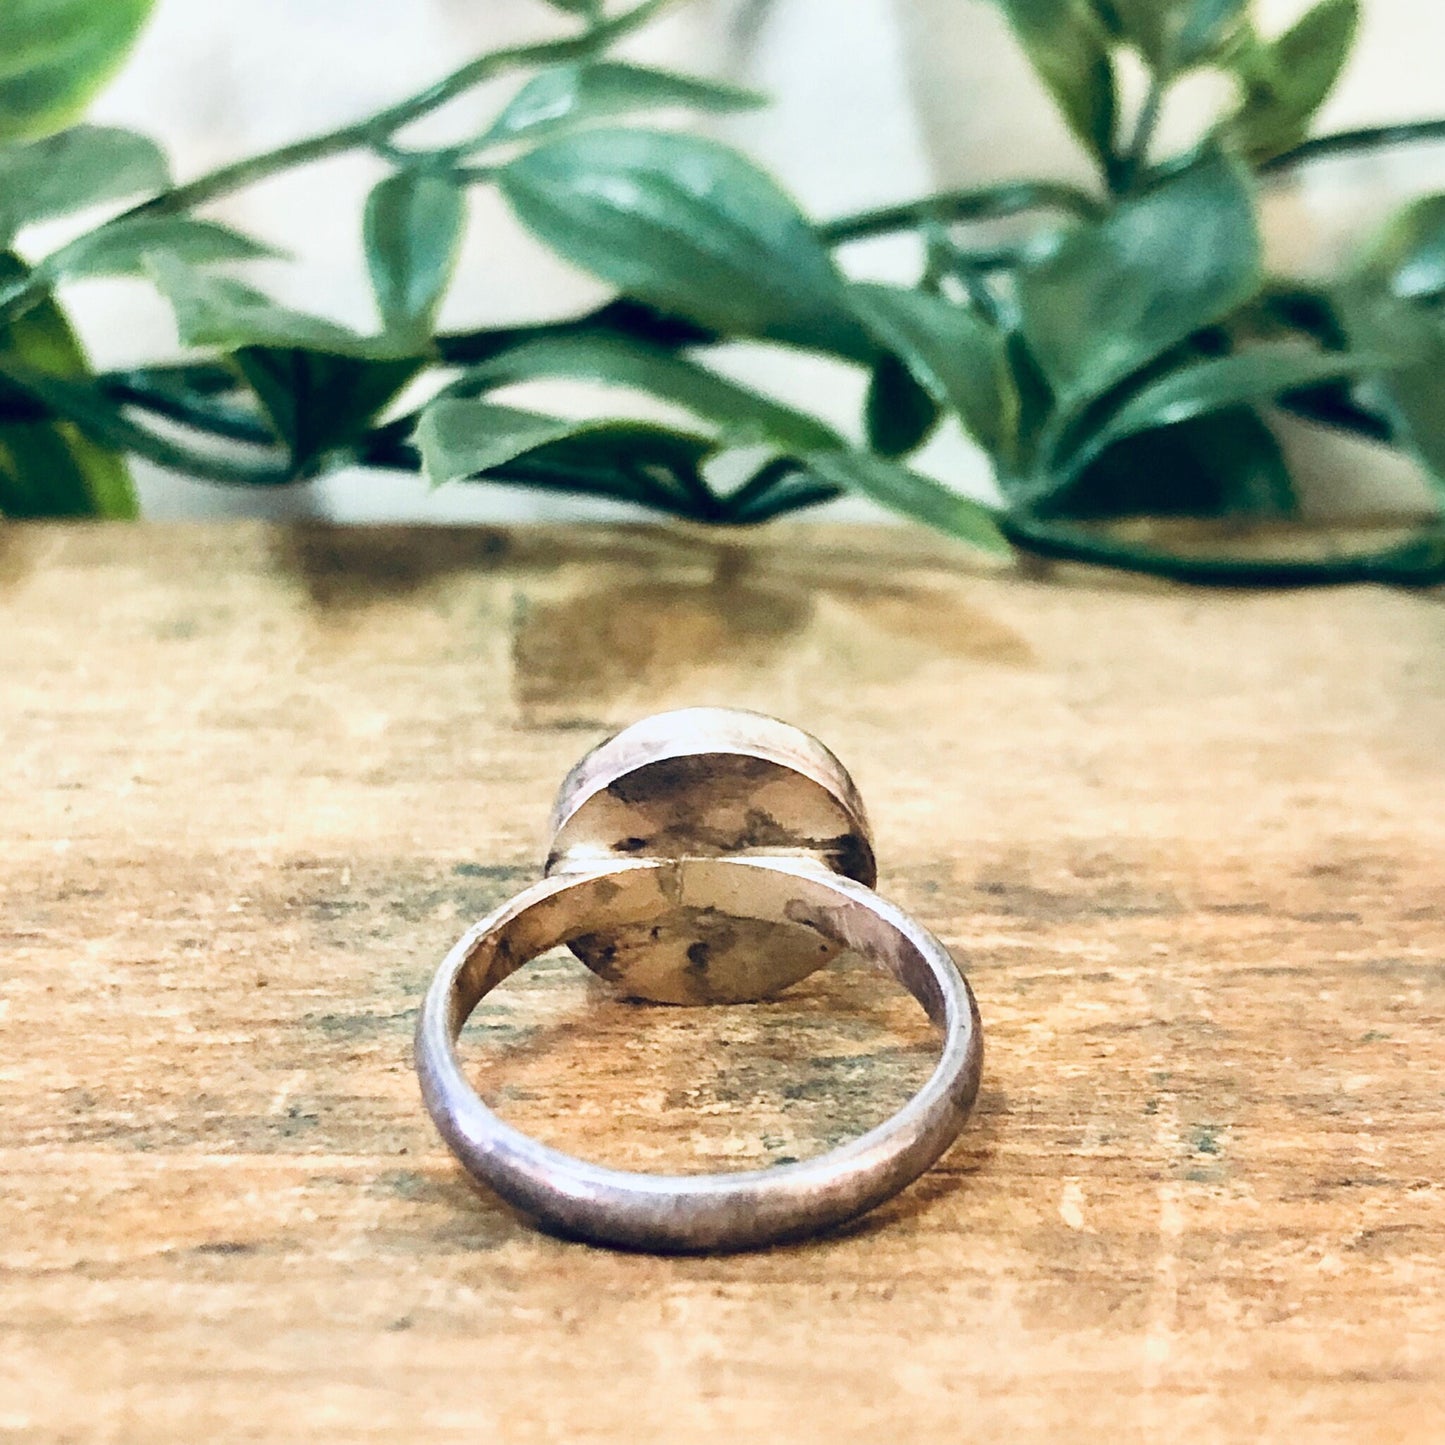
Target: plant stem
x,y
128,436
106,424
186,392
801,496
547,477
945,261
781,486
389,447
767,479
1136,155
175,403
474,175
386,122
633,319
1332,406
991,203
364,133
1347,142
1419,562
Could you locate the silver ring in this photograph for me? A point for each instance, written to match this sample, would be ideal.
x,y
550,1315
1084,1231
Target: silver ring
x,y
706,856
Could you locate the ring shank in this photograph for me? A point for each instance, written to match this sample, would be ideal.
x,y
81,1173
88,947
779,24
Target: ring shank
x,y
709,1211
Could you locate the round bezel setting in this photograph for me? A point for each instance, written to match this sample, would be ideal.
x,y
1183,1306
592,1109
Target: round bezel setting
x,y
705,783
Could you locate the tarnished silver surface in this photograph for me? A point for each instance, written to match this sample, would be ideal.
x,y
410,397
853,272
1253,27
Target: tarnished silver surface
x,y
708,782
720,908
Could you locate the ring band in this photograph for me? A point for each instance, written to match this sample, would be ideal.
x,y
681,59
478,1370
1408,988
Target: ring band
x,y
782,909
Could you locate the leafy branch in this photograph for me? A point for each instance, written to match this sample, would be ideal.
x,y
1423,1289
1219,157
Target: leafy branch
x,y
1122,360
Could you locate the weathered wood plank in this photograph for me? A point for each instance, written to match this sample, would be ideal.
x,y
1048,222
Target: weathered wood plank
x,y
1190,848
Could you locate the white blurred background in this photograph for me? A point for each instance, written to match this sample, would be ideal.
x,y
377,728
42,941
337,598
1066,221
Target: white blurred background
x,y
876,101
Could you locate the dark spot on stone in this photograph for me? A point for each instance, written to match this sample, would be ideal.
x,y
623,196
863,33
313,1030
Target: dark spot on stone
x,y
853,858
631,845
762,830
671,781
404,1322
598,951
698,955
605,890
226,1246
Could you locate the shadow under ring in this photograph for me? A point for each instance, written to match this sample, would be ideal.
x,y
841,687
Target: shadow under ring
x,y
740,1210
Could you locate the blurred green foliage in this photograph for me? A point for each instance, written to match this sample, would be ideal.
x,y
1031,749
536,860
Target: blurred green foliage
x,y
1126,355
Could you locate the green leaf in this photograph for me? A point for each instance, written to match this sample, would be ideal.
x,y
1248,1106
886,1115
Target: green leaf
x,y
957,357
221,312
899,414
1384,305
1407,258
101,418
743,416
986,203
77,168
56,55
1035,407
48,468
903,490
1216,384
123,247
1204,29
630,461
1175,35
320,384
563,96
1067,47
1118,293
413,231
1139,23
51,469
319,401
1412,395
1225,463
777,485
1286,82
689,226
460,438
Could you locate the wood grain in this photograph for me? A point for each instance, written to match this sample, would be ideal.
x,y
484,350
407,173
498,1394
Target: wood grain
x,y
1190,848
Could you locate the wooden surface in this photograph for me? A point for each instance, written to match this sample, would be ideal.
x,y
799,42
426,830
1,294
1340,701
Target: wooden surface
x,y
1189,847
